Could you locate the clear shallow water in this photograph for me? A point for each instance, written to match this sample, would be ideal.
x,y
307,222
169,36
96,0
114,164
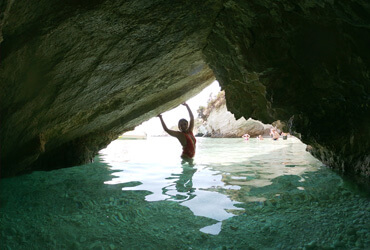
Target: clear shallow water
x,y
137,195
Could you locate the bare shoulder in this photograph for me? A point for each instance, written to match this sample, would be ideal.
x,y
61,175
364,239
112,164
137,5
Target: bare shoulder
x,y
181,137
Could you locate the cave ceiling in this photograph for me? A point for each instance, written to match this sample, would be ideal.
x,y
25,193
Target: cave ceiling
x,y
76,74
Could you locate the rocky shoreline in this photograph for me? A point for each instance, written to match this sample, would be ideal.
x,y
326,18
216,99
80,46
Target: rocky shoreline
x,y
216,121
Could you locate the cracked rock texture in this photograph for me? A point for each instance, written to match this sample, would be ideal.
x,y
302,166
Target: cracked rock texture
x,y
76,74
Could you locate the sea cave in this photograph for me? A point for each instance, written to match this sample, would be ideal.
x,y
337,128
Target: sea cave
x,y
74,75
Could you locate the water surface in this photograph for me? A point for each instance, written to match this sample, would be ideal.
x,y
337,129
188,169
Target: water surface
x,y
137,195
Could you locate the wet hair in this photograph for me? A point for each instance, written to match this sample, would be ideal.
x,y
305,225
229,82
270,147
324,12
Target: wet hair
x,y
182,120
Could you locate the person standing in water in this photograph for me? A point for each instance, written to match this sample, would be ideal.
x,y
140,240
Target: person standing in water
x,y
185,135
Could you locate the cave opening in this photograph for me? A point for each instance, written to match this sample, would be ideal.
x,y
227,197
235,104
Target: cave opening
x,y
230,173
75,75
233,180
273,193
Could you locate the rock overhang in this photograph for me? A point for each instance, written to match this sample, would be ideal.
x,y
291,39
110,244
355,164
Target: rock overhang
x,y
75,75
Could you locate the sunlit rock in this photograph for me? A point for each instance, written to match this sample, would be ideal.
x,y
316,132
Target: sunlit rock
x,y
216,121
222,123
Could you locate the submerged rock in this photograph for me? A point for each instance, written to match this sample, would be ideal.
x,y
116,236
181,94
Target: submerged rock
x,y
74,75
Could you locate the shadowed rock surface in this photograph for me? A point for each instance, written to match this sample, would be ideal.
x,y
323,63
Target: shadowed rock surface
x,y
75,75
305,63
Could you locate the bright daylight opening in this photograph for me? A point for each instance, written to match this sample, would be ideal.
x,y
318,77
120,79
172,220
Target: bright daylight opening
x,y
153,126
237,193
254,173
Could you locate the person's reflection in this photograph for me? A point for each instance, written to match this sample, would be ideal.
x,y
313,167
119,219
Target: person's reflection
x,y
184,183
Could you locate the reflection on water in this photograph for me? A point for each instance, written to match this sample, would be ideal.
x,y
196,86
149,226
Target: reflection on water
x,y
224,173
137,195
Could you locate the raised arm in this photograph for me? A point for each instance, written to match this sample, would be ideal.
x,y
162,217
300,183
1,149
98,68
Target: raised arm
x,y
169,131
191,122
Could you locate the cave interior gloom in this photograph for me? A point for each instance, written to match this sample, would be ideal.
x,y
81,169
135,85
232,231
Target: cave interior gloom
x,y
74,74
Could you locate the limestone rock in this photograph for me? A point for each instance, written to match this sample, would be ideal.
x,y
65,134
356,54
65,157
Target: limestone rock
x,y
305,63
222,123
76,74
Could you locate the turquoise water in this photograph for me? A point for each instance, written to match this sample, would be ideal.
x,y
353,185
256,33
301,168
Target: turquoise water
x,y
237,195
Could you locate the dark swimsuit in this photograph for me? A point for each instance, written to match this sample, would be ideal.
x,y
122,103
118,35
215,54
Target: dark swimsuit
x,y
188,151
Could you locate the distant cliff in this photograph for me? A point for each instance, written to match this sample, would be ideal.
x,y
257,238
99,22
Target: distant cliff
x,y
215,121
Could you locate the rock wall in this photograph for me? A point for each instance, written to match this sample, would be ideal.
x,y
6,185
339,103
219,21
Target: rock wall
x,y
222,123
304,62
218,122
76,74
